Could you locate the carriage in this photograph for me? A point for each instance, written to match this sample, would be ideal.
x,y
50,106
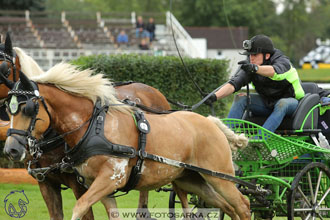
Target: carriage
x,y
291,165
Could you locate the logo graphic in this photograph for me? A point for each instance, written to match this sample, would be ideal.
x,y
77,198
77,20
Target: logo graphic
x,y
15,204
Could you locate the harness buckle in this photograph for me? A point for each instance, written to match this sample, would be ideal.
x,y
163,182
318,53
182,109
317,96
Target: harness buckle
x,y
99,118
142,154
40,177
34,147
31,142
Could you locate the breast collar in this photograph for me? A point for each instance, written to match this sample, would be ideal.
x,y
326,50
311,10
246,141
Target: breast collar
x,y
95,143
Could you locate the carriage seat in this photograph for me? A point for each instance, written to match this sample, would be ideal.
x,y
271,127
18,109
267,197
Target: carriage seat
x,y
295,121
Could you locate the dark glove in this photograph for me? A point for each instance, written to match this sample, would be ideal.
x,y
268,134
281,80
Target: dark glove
x,y
211,99
248,67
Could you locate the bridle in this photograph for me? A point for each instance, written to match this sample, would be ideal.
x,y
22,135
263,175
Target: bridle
x,y
17,97
48,141
31,99
5,72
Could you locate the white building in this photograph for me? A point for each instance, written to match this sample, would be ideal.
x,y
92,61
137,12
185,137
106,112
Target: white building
x,y
222,42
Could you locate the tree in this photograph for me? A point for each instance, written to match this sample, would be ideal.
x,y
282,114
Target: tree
x,y
109,5
32,5
228,13
302,22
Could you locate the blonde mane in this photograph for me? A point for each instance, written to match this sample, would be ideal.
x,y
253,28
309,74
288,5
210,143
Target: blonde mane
x,y
28,65
83,83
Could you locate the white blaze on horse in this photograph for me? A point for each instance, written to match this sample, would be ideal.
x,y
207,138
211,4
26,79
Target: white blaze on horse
x,y
64,98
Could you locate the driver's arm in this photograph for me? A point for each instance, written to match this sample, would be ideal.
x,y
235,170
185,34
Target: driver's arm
x,y
266,70
226,90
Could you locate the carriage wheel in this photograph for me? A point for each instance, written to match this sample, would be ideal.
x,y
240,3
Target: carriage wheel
x,y
309,197
195,203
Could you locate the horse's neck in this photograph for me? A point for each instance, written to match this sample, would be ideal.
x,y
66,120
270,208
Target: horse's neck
x,y
68,112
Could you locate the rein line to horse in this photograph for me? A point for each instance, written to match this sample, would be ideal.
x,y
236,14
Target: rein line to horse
x,y
190,76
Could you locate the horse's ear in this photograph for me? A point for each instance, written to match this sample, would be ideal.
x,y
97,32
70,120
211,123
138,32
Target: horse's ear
x,y
3,70
26,82
8,45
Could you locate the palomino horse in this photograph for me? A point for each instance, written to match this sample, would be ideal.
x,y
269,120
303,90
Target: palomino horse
x,y
50,189
180,136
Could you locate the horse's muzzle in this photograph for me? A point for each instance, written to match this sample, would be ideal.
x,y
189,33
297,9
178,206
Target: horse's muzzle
x,y
14,150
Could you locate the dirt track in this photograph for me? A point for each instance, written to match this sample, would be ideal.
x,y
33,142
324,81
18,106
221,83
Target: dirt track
x,y
16,176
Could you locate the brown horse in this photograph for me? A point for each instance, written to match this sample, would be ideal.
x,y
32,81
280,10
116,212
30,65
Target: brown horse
x,y
180,136
50,189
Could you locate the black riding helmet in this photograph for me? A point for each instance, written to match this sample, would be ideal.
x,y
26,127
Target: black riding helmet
x,y
258,44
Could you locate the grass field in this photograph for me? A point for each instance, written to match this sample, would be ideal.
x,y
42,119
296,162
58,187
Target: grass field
x,y
314,75
37,210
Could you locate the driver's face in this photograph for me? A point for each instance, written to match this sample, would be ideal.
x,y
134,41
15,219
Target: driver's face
x,y
256,58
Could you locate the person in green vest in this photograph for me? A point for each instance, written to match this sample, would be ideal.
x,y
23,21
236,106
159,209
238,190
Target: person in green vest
x,y
274,79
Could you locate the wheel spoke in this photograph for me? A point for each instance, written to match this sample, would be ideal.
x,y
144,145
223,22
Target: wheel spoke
x,y
303,210
308,216
193,208
320,216
323,197
310,186
318,185
324,209
303,195
310,194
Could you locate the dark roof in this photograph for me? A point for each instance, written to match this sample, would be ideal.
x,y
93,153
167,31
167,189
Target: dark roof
x,y
220,37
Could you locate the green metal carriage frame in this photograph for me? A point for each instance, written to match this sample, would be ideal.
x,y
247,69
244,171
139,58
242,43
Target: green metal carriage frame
x,y
293,167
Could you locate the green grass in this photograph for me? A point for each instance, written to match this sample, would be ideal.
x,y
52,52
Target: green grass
x,y
314,75
37,210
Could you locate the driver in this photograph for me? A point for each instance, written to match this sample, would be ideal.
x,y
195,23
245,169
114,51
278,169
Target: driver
x,y
274,79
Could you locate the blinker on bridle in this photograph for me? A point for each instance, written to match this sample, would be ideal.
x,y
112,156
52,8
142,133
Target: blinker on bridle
x,y
30,98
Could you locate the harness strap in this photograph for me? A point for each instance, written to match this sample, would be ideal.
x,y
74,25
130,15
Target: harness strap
x,y
49,141
11,131
224,176
122,83
95,143
146,108
144,128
